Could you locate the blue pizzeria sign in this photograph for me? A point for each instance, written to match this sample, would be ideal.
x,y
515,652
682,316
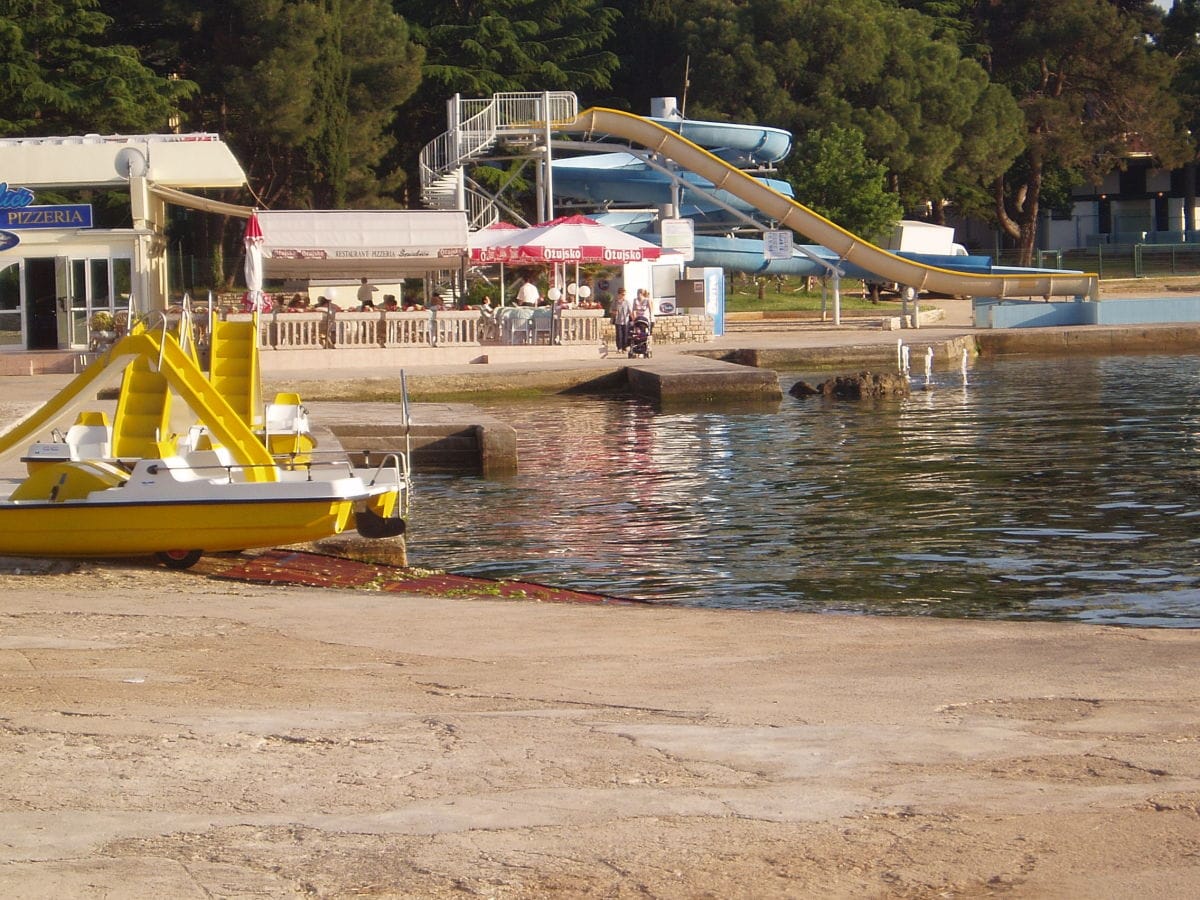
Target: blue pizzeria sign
x,y
66,215
17,211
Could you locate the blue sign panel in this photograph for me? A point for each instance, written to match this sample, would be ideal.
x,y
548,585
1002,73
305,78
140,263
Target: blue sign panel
x,y
8,240
67,215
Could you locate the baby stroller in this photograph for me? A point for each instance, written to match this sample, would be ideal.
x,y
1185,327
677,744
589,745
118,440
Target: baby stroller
x,y
639,338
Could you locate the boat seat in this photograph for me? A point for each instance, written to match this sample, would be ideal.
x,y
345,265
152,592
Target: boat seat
x,y
213,463
90,437
69,481
285,425
286,415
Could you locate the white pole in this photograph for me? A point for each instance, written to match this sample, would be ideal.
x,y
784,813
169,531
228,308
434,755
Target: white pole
x,y
548,181
928,367
964,366
837,299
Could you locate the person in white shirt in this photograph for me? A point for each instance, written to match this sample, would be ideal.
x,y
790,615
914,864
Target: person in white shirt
x,y
643,307
365,295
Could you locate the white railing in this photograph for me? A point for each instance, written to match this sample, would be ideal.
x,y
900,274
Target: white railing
x,y
445,328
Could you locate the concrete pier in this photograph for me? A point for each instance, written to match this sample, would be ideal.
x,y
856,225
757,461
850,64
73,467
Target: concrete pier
x,y
459,437
691,379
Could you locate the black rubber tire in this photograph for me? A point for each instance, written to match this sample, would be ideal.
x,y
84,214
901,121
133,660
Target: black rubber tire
x,y
179,559
370,525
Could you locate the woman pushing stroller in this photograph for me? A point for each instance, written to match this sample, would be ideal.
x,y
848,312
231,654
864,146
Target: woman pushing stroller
x,y
641,324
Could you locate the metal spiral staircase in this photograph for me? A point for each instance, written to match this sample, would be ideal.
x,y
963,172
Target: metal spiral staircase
x,y
523,121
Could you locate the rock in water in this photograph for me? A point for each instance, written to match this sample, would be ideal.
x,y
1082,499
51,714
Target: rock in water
x,y
804,389
864,385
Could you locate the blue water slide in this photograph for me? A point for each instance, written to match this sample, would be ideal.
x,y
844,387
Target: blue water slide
x,y
746,255
744,146
623,178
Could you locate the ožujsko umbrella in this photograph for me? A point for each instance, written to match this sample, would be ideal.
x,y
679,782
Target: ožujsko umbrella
x,y
569,239
482,246
576,239
482,243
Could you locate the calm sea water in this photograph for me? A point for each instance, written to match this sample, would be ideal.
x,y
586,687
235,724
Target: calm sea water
x,y
1050,489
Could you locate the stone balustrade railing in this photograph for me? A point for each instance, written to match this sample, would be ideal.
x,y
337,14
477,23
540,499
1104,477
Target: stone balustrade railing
x,y
444,328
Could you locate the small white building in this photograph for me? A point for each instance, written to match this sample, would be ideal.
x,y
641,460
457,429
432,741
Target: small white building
x,y
56,268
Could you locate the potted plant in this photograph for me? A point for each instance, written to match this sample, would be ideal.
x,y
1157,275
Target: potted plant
x,y
102,320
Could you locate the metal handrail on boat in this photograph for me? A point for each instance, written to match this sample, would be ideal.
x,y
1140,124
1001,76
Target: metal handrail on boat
x,y
230,468
398,464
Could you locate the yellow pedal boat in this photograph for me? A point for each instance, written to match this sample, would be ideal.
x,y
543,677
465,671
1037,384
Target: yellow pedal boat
x,y
219,487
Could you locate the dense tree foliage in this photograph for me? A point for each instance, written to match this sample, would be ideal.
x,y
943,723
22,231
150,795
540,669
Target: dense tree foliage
x,y
830,169
63,70
991,107
481,47
1092,90
928,114
305,91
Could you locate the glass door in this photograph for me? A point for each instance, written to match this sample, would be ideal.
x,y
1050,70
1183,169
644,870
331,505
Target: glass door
x,y
11,334
99,293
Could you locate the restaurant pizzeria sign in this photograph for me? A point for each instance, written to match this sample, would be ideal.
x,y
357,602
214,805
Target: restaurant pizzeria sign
x,y
17,211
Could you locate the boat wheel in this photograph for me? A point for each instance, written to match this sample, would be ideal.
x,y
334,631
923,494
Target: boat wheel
x,y
179,559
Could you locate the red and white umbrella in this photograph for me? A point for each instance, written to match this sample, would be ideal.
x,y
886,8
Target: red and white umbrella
x,y
482,243
573,239
253,240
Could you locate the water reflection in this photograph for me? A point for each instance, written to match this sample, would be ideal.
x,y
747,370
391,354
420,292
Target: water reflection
x,y
1045,489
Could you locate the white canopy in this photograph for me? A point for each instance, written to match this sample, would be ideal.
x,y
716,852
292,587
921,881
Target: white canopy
x,y
92,160
353,243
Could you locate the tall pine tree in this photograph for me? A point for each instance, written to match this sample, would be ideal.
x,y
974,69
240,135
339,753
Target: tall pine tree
x,y
65,74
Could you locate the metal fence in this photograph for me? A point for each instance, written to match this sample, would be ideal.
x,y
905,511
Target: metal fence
x,y
1115,261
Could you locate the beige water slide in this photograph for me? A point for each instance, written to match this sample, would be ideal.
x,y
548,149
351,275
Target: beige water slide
x,y
790,214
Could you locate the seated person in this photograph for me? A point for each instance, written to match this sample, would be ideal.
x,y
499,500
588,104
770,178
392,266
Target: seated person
x,y
489,329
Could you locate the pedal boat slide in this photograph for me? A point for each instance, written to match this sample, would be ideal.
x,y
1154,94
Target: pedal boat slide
x,y
228,483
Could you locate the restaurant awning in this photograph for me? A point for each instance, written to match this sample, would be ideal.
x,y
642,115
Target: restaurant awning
x,y
353,243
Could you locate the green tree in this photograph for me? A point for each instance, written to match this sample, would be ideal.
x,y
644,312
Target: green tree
x,y
1180,38
483,47
305,91
927,113
1093,93
64,74
832,175
648,39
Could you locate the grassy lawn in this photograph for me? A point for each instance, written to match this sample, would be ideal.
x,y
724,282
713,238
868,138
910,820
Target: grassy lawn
x,y
789,295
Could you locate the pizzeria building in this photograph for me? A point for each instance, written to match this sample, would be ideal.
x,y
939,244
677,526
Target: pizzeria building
x,y
58,269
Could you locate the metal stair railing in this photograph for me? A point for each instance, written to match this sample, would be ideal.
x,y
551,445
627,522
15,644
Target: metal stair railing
x,y
476,125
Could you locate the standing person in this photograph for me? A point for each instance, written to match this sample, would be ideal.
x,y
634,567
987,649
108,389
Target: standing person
x,y
489,329
643,307
621,313
556,326
365,292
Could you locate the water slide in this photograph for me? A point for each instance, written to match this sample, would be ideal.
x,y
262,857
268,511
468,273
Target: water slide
x,y
855,252
625,178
